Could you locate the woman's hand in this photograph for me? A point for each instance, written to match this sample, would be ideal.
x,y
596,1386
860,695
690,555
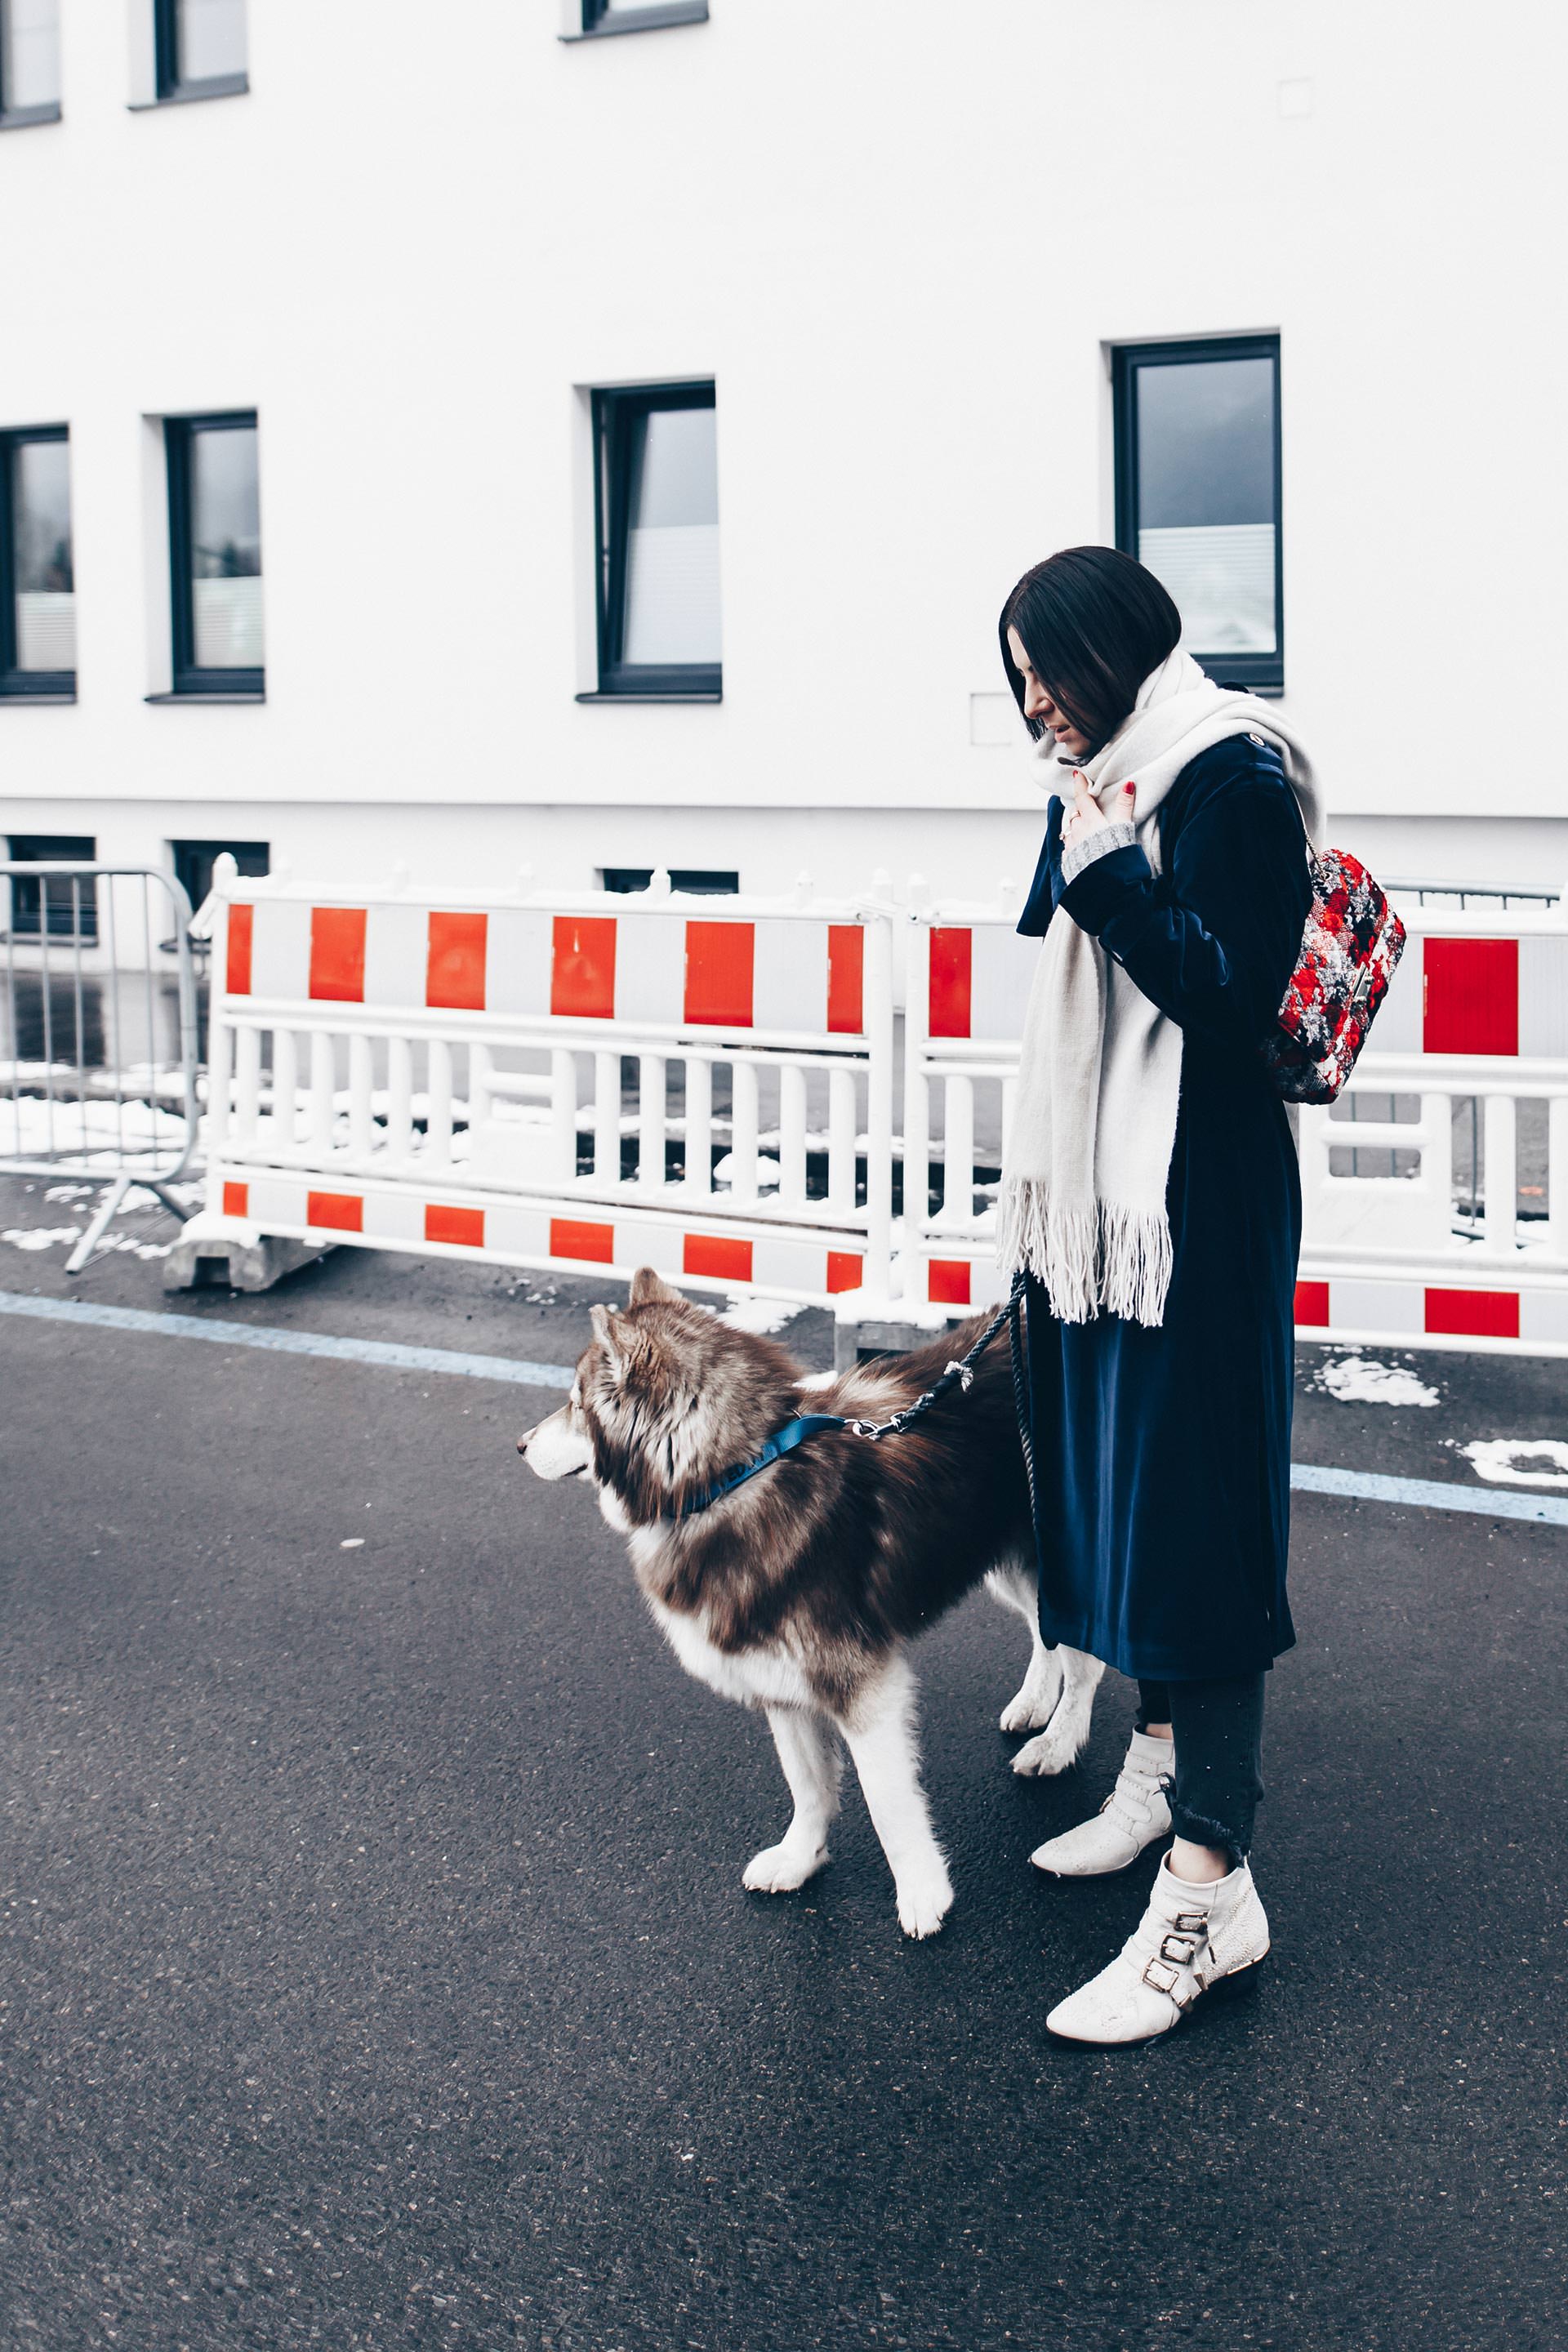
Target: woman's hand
x,y
1085,815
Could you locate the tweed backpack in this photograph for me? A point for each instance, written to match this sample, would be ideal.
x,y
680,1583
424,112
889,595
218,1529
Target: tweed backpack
x,y
1350,947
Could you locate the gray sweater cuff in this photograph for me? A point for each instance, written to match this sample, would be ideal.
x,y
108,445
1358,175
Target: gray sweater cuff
x,y
1099,844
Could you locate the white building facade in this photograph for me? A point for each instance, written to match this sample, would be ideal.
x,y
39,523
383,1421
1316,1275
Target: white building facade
x,y
542,434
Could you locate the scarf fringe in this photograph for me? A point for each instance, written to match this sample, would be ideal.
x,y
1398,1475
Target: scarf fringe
x,y
1107,1258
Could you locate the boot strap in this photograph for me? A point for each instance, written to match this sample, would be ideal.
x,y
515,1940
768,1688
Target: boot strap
x,y
1172,1970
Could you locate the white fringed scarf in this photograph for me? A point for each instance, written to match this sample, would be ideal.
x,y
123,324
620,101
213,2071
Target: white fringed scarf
x,y
1088,1152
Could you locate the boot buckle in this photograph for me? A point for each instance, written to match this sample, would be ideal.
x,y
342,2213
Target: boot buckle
x,y
1181,1947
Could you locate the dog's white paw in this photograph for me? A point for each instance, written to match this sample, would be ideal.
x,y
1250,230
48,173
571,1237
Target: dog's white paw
x,y
922,1908
1027,1713
1051,1752
780,1869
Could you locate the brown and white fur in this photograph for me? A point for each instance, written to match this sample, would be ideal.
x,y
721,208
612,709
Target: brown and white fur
x,y
800,1592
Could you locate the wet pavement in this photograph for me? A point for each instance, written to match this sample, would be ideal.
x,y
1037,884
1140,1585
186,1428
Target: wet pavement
x,y
377,1971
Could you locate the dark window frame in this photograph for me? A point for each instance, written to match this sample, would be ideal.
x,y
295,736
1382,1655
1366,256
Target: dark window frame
x,y
1260,673
171,89
192,863
20,117
620,681
25,684
603,18
188,683
695,881
52,907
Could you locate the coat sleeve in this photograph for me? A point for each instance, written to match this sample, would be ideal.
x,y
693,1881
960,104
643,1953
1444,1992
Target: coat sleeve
x,y
1045,887
1213,943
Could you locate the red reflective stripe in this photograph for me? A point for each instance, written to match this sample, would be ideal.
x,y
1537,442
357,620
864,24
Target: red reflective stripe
x,y
947,1279
718,964
1475,1313
583,967
341,1213
718,1255
845,981
237,1200
1312,1302
455,963
952,957
846,1270
1470,996
447,1224
337,954
569,1238
241,930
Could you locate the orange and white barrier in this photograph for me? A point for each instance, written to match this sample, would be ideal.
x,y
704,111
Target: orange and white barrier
x,y
605,1081
557,1083
1478,1014
796,975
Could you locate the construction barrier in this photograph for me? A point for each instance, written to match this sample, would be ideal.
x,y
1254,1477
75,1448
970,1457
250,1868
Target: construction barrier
x,y
557,1082
1475,1024
603,1081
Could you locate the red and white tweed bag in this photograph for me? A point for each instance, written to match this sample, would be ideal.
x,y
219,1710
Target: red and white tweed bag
x,y
1350,947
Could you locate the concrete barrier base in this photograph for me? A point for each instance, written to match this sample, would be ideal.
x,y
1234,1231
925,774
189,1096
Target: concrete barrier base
x,y
214,1253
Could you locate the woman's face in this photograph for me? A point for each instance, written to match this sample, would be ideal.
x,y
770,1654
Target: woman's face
x,y
1037,704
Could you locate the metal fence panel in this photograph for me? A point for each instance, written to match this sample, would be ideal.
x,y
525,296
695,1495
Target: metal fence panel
x,y
97,1032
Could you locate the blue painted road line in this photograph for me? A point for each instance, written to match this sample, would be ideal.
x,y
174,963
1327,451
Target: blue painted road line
x,y
1428,1493
1359,1486
386,1353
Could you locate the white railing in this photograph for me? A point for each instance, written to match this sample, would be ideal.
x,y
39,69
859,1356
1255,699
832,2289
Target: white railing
x,y
707,1086
560,1080
1474,1034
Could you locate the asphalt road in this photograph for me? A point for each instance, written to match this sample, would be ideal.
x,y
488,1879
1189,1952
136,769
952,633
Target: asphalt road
x,y
376,1971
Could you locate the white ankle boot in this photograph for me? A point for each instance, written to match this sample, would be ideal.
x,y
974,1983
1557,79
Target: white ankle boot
x,y
1133,1816
1190,1940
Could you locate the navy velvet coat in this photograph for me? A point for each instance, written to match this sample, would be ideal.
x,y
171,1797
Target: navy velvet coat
x,y
1163,1455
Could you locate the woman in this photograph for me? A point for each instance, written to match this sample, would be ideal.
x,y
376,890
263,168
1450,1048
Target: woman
x,y
1150,1191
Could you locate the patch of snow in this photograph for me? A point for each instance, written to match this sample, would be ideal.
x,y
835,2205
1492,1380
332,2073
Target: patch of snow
x,y
760,1314
767,1170
352,1543
42,1237
1367,1380
139,1199
32,1128
1499,1460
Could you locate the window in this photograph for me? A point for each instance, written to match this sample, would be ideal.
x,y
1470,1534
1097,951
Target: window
x,y
195,860
1197,494
656,481
37,600
694,878
72,903
215,555
29,62
201,47
600,17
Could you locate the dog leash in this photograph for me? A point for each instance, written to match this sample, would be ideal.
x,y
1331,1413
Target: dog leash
x,y
957,1374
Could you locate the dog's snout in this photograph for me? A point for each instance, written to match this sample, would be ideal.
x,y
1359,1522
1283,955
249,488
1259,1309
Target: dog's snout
x,y
522,1441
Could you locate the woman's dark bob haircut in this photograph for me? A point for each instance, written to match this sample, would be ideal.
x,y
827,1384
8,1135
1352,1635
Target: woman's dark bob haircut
x,y
1094,623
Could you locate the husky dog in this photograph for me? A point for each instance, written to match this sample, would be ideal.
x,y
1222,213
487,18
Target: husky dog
x,y
799,1591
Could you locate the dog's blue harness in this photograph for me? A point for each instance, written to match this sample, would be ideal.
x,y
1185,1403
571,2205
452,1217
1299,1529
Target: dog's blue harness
x,y
811,1424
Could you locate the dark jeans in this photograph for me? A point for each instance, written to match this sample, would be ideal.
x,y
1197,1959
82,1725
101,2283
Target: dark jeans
x,y
1218,1731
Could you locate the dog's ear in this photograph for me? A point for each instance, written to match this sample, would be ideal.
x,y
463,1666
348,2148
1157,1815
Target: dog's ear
x,y
611,1334
647,1287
